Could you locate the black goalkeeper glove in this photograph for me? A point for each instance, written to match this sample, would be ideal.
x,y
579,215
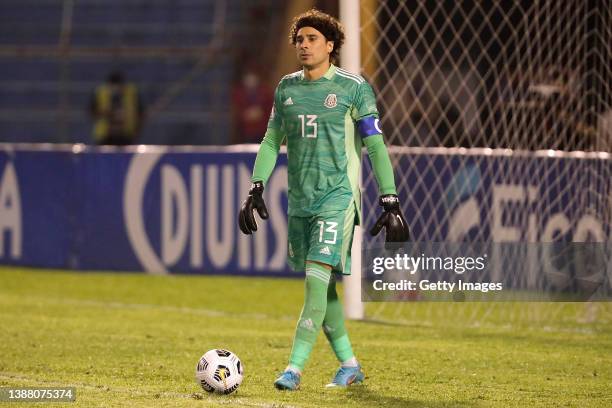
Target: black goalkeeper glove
x,y
392,219
255,201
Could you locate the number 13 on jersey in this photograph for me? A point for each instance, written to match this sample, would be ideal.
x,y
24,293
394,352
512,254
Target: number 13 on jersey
x,y
309,125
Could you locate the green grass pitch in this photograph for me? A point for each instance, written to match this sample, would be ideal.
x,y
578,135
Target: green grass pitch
x,y
133,340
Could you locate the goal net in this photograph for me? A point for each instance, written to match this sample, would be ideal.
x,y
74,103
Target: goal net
x,y
498,118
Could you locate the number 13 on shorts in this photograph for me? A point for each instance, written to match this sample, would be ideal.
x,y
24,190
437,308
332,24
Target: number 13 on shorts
x,y
328,232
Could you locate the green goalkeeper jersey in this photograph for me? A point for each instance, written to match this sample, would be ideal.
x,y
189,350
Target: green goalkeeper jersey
x,y
318,120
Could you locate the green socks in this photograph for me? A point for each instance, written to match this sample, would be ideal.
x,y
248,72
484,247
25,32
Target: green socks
x,y
321,308
313,313
333,325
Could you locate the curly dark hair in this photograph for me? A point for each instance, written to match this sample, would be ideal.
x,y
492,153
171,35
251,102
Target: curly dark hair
x,y
324,23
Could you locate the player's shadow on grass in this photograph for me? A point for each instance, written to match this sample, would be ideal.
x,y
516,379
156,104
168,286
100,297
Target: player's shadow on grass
x,y
364,397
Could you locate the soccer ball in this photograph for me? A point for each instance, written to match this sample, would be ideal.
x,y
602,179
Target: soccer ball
x,y
219,371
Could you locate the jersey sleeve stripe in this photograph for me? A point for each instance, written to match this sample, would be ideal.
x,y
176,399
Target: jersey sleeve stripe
x,y
344,71
349,77
350,74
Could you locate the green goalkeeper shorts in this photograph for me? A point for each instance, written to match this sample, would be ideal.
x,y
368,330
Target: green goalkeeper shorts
x,y
325,238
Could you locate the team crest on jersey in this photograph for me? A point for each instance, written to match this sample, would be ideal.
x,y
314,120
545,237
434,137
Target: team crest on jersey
x,y
331,101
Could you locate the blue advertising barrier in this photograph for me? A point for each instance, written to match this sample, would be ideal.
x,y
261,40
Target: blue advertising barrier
x,y
501,196
155,210
165,210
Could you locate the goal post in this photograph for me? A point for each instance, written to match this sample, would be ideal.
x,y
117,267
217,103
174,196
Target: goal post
x,y
350,57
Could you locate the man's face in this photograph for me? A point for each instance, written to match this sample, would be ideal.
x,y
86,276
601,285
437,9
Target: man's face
x,y
312,47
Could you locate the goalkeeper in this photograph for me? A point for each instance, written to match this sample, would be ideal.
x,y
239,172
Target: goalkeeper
x,y
325,114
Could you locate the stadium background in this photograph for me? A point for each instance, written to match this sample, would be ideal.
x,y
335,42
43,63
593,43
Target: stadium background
x,y
473,96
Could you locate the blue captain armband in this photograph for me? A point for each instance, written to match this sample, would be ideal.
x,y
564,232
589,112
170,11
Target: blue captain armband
x,y
369,126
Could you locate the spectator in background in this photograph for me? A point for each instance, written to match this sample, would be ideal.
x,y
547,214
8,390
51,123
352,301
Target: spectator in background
x,y
252,104
117,111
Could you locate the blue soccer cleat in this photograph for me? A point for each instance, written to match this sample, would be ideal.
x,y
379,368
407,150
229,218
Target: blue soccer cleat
x,y
346,376
288,380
